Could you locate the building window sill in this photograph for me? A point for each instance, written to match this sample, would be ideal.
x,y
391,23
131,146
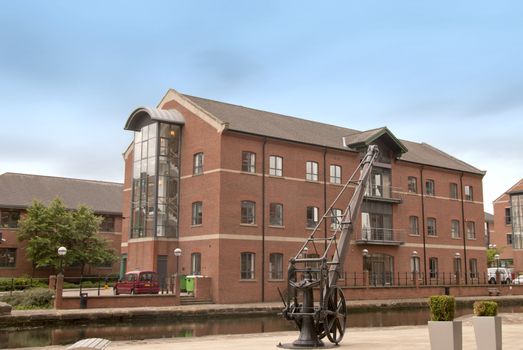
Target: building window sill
x,y
248,172
455,237
277,226
196,225
248,281
312,181
275,176
276,280
432,236
414,234
248,225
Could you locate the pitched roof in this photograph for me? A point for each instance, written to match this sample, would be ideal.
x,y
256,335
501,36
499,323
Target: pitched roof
x,y
19,191
253,121
366,138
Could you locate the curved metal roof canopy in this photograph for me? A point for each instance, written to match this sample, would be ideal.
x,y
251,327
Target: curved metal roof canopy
x,y
144,115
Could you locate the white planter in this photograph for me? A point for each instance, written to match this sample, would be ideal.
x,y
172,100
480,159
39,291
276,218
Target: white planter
x,y
445,335
488,332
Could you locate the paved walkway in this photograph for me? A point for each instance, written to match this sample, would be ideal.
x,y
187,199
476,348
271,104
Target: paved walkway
x,y
389,338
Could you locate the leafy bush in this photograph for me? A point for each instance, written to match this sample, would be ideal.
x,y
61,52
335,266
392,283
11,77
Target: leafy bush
x,y
485,308
442,307
21,283
36,298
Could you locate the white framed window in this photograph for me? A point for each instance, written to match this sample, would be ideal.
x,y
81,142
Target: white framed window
x,y
275,166
248,162
276,214
433,267
313,214
431,227
473,268
413,184
335,174
414,225
430,188
196,263
276,266
247,266
469,195
471,229
198,163
453,189
197,213
454,229
311,171
248,212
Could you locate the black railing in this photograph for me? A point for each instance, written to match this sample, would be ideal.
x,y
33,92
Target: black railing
x,y
398,279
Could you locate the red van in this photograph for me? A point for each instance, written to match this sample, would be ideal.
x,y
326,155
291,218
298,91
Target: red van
x,y
138,282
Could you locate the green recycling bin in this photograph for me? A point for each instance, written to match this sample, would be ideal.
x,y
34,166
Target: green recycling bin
x,y
189,284
181,280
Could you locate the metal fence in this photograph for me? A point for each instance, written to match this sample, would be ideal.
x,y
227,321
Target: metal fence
x,y
398,279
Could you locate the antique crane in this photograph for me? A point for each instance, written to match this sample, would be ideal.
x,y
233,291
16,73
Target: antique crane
x,y
317,267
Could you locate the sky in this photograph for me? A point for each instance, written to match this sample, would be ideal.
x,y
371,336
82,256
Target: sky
x,y
448,73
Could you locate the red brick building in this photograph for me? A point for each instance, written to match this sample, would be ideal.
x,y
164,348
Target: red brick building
x,y
508,223
239,189
17,192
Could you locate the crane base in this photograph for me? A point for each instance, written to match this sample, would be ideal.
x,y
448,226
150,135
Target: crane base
x,y
292,346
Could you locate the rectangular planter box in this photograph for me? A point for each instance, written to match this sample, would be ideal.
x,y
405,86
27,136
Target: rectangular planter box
x,y
488,332
445,335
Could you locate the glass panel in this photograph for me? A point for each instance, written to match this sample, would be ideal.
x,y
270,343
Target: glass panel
x,y
137,151
151,152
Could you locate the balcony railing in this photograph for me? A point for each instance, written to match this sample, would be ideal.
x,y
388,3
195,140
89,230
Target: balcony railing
x,y
382,236
382,194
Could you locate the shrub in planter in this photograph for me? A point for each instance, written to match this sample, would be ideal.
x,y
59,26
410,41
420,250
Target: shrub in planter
x,y
487,325
444,332
485,308
442,307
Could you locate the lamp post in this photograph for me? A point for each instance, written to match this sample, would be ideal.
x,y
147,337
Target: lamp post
x,y
177,254
61,253
498,273
365,253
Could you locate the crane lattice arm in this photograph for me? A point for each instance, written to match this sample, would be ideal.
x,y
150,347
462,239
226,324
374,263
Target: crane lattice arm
x,y
318,266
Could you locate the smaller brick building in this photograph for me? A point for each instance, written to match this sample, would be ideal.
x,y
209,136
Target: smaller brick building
x,y
17,192
508,226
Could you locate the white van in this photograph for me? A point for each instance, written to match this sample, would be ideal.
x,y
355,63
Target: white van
x,y
505,275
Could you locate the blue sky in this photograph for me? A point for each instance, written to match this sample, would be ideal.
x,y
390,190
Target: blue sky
x,y
444,72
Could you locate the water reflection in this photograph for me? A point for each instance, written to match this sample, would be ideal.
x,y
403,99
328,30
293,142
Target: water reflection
x,y
146,329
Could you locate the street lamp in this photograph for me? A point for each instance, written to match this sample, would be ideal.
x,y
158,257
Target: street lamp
x,y
177,254
61,253
305,251
496,258
365,253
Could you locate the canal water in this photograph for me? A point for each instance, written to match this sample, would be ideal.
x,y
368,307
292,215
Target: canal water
x,y
145,329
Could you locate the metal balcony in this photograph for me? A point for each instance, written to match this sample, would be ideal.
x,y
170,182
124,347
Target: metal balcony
x,y
379,236
381,194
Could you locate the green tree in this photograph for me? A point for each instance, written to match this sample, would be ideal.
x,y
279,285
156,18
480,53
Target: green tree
x,y
45,229
491,254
